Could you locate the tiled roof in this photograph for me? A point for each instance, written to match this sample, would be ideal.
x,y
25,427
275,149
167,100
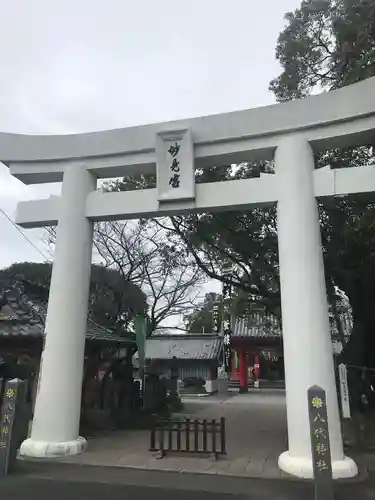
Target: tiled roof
x,y
257,326
267,327
97,333
195,347
24,316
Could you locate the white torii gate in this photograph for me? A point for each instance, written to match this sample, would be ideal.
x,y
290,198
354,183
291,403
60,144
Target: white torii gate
x,y
289,133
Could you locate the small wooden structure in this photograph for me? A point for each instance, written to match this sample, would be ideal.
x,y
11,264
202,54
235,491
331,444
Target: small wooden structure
x,y
257,342
22,326
252,340
195,356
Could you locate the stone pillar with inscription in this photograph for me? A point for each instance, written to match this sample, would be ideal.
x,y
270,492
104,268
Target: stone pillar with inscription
x,y
55,428
306,330
344,391
320,445
12,423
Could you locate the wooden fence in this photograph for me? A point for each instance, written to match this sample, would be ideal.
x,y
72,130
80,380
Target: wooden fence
x,y
189,436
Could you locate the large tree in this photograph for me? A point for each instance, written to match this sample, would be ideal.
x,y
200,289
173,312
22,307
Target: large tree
x,y
140,252
201,318
325,45
113,301
328,44
235,247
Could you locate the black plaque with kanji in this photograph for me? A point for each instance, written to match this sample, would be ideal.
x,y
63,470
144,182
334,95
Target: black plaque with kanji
x,y
227,339
227,327
215,319
174,167
320,447
9,437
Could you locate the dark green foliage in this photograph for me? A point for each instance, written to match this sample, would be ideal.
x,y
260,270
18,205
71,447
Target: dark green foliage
x,y
113,301
328,44
200,320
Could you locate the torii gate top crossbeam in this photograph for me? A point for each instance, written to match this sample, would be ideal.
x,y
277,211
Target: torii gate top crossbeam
x,y
331,119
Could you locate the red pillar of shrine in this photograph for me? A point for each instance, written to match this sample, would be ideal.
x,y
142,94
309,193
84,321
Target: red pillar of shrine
x,y
234,371
257,366
243,370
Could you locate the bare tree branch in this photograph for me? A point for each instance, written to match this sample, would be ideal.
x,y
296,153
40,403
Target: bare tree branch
x,y
142,253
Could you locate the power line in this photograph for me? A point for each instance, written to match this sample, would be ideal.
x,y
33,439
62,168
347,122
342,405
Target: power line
x,y
22,234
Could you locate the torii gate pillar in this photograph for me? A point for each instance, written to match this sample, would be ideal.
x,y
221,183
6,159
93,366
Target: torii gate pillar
x,y
306,330
55,428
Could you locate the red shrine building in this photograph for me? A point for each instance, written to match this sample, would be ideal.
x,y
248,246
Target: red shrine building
x,y
257,350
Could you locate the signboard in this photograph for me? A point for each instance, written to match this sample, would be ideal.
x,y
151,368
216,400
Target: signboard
x,y
320,447
215,319
344,391
227,327
175,166
14,391
227,346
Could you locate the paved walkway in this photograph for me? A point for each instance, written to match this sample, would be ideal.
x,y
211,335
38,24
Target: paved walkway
x,y
256,435
61,481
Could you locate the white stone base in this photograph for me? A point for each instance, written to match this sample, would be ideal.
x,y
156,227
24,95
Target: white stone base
x,y
47,449
302,467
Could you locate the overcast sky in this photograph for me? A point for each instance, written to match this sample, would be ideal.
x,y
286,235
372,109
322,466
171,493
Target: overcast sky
x,y
81,65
